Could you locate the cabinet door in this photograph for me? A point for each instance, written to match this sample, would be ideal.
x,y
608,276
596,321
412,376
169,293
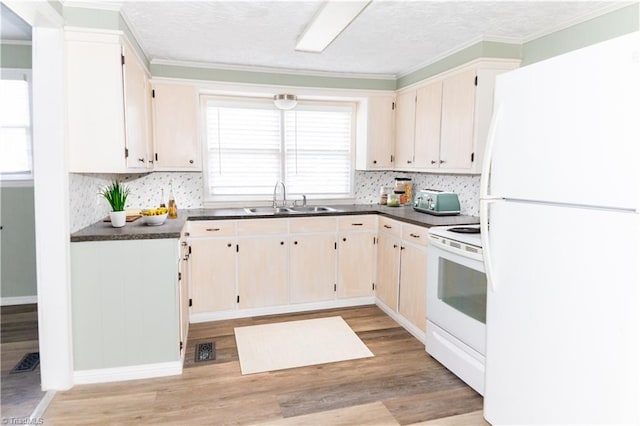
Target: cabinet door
x,y
427,137
388,270
381,132
355,264
136,98
413,285
95,111
262,271
175,135
312,270
405,128
458,105
213,274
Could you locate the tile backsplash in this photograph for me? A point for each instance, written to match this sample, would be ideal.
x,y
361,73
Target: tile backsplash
x,y
466,186
87,206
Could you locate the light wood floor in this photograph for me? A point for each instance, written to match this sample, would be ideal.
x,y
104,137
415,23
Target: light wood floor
x,y
20,392
401,385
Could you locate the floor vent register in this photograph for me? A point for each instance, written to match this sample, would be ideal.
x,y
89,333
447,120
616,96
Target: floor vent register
x,y
29,362
205,351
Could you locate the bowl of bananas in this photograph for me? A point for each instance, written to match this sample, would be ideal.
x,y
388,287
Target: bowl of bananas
x,y
154,216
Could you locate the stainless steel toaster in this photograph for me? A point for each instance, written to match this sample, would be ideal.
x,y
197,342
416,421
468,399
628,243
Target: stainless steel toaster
x,y
435,202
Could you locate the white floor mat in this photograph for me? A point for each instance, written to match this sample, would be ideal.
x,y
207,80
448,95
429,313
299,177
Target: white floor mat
x,y
292,344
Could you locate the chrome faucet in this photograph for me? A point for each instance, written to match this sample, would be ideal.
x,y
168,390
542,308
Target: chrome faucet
x,y
304,200
284,194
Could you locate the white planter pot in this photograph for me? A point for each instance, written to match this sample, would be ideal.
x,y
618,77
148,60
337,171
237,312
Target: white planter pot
x,y
118,219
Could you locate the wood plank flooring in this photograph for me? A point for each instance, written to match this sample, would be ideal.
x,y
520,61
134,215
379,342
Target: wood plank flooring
x,y
401,385
20,393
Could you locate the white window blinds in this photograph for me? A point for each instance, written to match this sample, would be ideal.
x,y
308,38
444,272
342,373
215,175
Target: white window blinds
x,y
251,145
15,126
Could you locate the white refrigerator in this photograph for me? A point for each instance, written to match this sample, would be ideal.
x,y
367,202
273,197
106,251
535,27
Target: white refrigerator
x,y
560,203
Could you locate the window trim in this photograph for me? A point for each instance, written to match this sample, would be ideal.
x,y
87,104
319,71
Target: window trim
x,y
242,200
20,179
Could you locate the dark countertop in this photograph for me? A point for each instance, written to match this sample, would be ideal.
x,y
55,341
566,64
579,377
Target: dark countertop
x,y
103,231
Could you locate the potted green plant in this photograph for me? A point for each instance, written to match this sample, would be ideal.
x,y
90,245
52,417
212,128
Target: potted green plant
x,y
116,194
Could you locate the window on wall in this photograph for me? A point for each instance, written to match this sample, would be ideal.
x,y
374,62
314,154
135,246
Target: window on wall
x,y
15,125
251,145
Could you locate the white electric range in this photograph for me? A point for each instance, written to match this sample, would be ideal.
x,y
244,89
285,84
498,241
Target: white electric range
x,y
456,301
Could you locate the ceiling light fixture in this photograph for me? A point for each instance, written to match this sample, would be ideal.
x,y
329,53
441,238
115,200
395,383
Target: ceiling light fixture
x,y
332,19
285,101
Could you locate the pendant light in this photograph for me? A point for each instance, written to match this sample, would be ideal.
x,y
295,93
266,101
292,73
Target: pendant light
x,y
285,101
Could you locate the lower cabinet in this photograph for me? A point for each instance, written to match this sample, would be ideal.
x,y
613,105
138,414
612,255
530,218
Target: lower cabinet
x,y
356,256
262,271
312,268
388,270
413,285
125,303
402,270
212,274
263,263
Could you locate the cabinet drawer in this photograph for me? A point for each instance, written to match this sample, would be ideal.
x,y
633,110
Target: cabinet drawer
x,y
262,226
312,224
211,228
357,223
415,234
389,226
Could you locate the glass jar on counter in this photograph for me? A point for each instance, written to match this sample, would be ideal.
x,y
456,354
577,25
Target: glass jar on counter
x,y
393,200
404,184
384,195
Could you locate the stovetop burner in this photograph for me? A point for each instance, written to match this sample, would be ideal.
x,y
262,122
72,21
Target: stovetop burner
x,y
465,229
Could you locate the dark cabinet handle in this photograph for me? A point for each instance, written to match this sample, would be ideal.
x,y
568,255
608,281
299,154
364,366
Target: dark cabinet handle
x,y
228,244
212,229
281,243
356,224
395,246
414,235
409,161
401,248
375,162
344,239
190,161
295,243
434,162
387,226
141,160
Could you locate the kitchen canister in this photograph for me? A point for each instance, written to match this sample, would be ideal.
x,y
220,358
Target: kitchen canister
x,y
404,184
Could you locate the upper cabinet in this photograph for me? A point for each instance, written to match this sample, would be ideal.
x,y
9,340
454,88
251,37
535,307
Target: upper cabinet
x,y
375,150
107,104
175,127
442,123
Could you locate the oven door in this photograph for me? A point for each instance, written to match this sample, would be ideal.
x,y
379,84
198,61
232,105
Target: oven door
x,y
457,295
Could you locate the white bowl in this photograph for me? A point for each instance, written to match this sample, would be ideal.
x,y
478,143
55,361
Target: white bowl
x,y
155,220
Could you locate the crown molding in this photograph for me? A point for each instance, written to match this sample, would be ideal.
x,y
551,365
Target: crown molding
x,y
460,47
112,5
579,20
248,68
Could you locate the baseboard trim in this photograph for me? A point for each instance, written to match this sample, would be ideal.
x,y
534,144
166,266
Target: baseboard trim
x,y
19,300
284,309
411,328
133,372
42,406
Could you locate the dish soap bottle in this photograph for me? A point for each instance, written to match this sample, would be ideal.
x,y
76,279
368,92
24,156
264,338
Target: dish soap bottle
x,y
173,207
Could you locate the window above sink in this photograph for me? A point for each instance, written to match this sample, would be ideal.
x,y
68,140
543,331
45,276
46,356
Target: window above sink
x,y
250,145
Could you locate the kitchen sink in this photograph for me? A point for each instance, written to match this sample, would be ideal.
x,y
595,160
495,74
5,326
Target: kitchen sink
x,y
267,210
311,209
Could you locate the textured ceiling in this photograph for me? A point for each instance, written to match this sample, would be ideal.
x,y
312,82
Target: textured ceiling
x,y
388,37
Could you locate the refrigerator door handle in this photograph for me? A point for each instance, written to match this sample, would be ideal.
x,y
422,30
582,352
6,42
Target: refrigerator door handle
x,y
484,236
486,165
